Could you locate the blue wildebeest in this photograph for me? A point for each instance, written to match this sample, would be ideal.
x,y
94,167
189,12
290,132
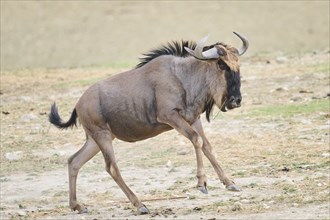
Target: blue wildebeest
x,y
171,87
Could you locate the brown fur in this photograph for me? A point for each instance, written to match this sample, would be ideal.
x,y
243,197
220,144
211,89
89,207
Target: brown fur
x,y
167,92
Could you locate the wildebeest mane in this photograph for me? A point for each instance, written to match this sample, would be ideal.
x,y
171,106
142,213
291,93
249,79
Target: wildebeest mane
x,y
174,48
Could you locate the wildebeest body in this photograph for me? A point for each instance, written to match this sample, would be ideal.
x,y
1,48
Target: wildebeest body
x,y
169,89
131,99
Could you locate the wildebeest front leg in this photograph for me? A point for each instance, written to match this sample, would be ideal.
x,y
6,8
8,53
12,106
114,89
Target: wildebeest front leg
x,y
207,149
175,120
201,176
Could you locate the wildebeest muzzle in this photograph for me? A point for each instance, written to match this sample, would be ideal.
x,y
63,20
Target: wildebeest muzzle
x,y
231,103
234,102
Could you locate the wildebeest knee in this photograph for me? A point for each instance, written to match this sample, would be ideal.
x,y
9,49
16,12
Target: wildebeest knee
x,y
107,166
72,165
196,140
112,169
207,148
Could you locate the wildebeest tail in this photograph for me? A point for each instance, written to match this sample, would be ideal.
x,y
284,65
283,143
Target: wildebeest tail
x,y
56,120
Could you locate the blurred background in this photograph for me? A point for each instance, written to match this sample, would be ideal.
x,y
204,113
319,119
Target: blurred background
x,y
104,33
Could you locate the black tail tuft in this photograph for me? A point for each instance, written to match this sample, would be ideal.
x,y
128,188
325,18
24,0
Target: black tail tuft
x,y
56,120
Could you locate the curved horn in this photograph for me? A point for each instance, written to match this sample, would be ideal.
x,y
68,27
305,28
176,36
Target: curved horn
x,y
245,46
199,47
206,55
212,53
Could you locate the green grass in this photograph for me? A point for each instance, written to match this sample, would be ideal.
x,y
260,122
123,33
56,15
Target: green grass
x,y
289,189
118,65
239,173
76,83
292,109
321,67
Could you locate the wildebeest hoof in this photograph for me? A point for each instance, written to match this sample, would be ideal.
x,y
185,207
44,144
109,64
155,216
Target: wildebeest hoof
x,y
233,187
143,210
82,211
203,189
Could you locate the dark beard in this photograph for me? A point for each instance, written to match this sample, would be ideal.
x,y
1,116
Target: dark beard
x,y
208,108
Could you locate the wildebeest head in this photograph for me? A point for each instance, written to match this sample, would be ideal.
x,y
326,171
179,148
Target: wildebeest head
x,y
226,58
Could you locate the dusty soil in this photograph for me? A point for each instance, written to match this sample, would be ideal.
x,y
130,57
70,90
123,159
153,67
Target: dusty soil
x,y
275,147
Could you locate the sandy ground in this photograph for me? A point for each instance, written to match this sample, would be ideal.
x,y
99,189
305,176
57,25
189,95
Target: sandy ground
x,y
275,147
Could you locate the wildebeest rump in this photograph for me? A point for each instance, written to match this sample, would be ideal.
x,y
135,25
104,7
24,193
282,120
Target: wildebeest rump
x,y
169,89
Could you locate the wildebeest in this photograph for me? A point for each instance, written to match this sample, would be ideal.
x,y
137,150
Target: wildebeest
x,y
169,89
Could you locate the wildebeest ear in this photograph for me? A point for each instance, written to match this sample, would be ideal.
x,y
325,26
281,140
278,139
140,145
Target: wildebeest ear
x,y
221,51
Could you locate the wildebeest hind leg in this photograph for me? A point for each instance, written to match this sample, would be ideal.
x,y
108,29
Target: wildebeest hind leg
x,y
75,162
104,140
